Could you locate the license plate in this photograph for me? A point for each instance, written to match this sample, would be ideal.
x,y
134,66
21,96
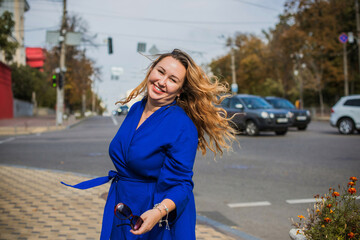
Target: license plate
x,y
301,118
282,120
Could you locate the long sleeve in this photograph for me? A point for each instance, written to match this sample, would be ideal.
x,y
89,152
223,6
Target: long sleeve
x,y
175,180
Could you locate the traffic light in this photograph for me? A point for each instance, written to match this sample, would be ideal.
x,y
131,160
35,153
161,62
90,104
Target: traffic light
x,y
54,80
110,47
61,80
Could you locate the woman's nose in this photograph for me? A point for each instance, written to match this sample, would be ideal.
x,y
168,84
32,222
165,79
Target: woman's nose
x,y
162,81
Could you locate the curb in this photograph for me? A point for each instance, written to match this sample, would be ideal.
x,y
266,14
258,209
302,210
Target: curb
x,y
225,229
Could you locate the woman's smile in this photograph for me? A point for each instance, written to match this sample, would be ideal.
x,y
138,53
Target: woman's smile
x,y
158,89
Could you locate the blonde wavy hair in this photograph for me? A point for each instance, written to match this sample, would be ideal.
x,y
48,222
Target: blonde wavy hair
x,y
200,98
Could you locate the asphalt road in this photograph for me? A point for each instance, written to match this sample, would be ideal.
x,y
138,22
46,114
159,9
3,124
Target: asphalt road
x,y
266,170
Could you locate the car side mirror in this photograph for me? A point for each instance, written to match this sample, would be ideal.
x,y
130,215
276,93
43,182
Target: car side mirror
x,y
239,106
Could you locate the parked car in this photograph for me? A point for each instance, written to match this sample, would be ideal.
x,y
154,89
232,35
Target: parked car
x,y
345,114
253,114
301,117
122,110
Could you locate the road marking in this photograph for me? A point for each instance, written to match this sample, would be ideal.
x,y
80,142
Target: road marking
x,y
114,120
305,200
7,140
249,204
266,203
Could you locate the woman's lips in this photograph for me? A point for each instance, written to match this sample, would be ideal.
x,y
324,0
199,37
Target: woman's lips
x,y
157,90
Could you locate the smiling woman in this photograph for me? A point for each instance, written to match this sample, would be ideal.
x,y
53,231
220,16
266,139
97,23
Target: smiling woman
x,y
154,151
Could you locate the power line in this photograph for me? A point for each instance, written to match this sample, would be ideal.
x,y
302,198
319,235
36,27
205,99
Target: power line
x,y
158,38
165,21
257,5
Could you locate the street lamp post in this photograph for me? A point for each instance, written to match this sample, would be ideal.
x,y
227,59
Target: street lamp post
x,y
234,86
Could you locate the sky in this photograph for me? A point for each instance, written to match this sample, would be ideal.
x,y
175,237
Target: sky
x,y
199,27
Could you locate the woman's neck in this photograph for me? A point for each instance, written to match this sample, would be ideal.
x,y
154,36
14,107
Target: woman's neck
x,y
150,108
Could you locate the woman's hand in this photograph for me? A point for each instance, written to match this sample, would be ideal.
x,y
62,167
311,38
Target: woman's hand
x,y
150,217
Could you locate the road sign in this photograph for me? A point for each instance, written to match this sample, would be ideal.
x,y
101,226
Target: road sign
x,y
141,47
343,38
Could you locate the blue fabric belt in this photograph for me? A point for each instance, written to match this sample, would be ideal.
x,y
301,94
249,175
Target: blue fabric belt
x,y
108,215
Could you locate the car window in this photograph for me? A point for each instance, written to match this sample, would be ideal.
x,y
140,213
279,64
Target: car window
x,y
225,103
256,103
281,103
233,102
352,102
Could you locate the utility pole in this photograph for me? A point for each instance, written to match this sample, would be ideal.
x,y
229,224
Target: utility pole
x,y
346,84
233,85
60,86
358,29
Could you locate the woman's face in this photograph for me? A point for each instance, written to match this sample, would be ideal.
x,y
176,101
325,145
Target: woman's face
x,y
165,81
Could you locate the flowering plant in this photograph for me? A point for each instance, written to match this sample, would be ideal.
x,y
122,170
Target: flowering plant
x,y
335,215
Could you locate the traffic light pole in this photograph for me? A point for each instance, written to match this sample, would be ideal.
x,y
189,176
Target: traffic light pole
x,y
60,86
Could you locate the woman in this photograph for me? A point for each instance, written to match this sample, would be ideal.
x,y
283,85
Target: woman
x,y
155,147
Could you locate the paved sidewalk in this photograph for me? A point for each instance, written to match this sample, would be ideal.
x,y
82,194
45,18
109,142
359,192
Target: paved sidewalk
x,y
34,205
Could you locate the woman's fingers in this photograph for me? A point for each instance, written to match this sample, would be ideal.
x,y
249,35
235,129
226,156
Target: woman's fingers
x,y
150,217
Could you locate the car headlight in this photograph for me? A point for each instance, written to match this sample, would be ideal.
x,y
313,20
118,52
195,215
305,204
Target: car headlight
x,y
264,115
289,114
271,115
308,113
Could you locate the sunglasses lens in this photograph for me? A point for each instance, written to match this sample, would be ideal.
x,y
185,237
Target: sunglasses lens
x,y
138,222
121,210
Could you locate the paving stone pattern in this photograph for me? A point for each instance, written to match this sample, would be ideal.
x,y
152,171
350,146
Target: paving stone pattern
x,y
34,205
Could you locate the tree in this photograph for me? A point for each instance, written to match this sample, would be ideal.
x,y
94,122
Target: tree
x,y
250,66
6,28
26,80
321,22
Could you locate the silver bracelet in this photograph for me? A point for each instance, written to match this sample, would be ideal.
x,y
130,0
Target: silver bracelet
x,y
167,215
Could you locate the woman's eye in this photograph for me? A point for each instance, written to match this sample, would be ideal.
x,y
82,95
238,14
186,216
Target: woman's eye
x,y
161,71
173,79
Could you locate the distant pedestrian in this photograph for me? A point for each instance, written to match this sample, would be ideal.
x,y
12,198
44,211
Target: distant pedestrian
x,y
154,151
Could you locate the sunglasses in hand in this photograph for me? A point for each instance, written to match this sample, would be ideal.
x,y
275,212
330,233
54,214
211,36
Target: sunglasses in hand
x,y
123,212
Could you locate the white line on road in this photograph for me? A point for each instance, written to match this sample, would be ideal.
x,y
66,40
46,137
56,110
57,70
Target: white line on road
x,y
305,200
266,203
249,204
114,120
7,140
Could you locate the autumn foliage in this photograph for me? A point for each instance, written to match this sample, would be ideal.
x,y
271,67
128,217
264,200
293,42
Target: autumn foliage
x,y
303,49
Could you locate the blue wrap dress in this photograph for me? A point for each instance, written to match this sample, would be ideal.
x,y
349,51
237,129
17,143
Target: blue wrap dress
x,y
152,163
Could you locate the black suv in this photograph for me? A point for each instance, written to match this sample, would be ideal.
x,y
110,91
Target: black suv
x,y
301,117
253,114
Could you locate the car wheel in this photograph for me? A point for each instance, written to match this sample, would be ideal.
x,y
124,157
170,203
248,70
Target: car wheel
x,y
251,128
302,128
281,132
346,126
